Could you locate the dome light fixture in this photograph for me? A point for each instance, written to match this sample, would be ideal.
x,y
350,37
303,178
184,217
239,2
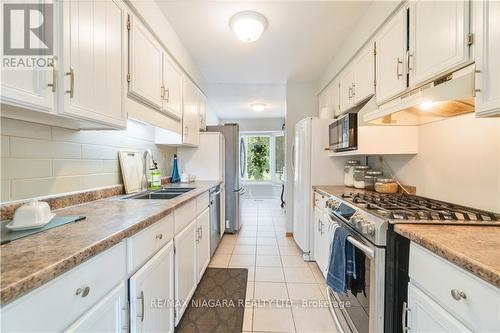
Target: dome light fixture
x,y
248,26
258,107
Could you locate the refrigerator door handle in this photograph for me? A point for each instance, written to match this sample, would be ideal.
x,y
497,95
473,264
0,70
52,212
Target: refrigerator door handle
x,y
293,157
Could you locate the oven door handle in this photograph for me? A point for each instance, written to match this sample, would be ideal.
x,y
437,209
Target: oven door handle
x,y
365,249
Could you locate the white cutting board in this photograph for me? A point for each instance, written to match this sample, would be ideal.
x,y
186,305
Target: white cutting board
x,y
132,166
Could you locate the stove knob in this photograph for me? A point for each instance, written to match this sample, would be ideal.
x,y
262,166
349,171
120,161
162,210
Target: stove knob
x,y
358,222
370,229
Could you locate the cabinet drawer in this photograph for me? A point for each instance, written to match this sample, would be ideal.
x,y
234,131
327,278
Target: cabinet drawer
x,y
184,215
320,200
54,306
438,277
202,202
146,243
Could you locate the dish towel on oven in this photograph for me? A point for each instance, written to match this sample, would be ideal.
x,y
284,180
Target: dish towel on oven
x,y
342,262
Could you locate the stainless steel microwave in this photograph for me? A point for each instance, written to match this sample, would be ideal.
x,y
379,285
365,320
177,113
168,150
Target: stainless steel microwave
x,y
344,133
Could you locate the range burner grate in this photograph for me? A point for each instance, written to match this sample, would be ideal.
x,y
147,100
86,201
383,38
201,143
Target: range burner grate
x,y
409,207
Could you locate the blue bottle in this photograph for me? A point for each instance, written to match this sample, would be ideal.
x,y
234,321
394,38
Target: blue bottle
x,y
175,171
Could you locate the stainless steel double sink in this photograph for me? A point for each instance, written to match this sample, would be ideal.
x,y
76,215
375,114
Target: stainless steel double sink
x,y
164,193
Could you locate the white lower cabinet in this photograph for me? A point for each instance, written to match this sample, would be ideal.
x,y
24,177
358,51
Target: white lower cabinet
x,y
109,315
425,315
152,294
186,268
203,242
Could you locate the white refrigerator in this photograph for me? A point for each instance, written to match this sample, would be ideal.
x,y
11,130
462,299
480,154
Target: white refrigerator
x,y
311,166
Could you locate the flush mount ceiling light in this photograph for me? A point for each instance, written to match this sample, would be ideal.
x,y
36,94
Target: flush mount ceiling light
x,y
258,107
426,105
248,26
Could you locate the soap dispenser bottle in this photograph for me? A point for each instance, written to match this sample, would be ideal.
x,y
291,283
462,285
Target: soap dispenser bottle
x,y
175,171
155,176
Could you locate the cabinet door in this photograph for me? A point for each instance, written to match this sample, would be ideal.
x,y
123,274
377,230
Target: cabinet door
x,y
109,315
425,315
318,239
172,96
335,97
152,294
145,65
438,38
487,51
391,48
364,74
94,61
203,240
190,118
27,88
346,89
202,110
186,268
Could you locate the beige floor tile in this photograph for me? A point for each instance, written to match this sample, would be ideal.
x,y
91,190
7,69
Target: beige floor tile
x,y
248,319
251,273
304,291
242,260
265,228
290,251
273,320
270,291
225,249
293,261
298,275
269,274
266,241
250,290
268,250
248,227
246,241
226,240
220,260
266,234
286,241
247,233
268,261
250,222
318,276
244,249
313,320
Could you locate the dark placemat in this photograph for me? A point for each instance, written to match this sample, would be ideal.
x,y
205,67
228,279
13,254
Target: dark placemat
x,y
8,236
218,304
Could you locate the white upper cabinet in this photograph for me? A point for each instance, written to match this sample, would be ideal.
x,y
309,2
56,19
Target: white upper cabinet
x,y
190,116
346,99
172,87
364,74
202,111
390,64
145,65
487,54
438,38
334,93
94,61
329,100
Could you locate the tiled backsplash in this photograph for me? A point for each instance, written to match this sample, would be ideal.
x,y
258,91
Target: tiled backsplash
x,y
38,160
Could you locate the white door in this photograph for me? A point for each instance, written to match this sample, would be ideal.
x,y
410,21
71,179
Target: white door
x,y
346,89
487,54
203,241
27,88
425,315
172,94
186,268
438,38
364,74
109,315
390,64
190,118
94,61
145,65
301,184
152,294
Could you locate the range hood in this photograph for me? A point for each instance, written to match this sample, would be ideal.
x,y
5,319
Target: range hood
x,y
448,96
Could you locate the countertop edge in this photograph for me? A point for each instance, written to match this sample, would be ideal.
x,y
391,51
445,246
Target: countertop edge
x,y
14,291
470,265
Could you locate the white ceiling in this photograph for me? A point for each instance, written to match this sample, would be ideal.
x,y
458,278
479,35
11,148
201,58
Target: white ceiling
x,y
300,41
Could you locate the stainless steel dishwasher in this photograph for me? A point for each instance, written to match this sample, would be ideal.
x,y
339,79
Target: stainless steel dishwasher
x,y
214,219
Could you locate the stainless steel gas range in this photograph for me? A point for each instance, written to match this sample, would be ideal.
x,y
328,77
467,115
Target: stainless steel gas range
x,y
369,217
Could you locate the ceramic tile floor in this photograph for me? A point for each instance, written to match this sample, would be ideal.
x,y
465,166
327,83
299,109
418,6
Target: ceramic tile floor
x,y
276,271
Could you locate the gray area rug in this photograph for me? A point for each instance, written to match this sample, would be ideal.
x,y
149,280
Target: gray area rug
x,y
218,303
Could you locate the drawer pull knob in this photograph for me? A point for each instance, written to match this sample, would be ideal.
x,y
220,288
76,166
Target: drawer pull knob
x,y
458,295
83,291
159,236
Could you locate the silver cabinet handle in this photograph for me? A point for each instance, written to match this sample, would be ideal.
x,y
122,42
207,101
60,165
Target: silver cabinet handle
x,y
71,74
141,298
197,235
159,236
162,92
186,130
168,95
353,91
408,60
398,74
201,233
83,291
54,75
458,295
405,309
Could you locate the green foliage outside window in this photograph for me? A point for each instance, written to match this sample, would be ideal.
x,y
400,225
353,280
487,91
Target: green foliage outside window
x,y
258,158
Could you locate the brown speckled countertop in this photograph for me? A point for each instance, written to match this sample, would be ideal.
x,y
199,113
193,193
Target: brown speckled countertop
x,y
474,248
30,262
